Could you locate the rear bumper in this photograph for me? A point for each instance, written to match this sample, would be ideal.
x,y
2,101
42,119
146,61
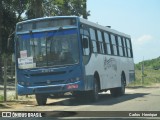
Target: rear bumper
x,y
23,90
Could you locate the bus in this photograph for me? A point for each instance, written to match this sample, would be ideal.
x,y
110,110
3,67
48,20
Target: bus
x,y
62,54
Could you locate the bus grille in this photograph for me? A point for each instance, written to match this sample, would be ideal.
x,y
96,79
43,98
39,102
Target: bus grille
x,y
48,89
48,73
52,82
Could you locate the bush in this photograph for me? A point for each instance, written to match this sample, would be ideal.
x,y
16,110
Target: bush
x,y
1,98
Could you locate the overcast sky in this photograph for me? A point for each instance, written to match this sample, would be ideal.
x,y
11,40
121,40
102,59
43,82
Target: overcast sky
x,y
138,18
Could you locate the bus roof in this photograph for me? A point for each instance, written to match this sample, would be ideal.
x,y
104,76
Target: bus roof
x,y
103,27
43,18
82,21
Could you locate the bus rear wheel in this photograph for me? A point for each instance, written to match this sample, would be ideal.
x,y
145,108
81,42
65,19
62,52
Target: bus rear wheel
x,y
115,92
41,99
123,85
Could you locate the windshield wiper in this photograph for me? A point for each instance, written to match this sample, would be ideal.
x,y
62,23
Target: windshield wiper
x,y
59,29
32,40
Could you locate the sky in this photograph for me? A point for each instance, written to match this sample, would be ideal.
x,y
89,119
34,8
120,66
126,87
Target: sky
x,y
138,18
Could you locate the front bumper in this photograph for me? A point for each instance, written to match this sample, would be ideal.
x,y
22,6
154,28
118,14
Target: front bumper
x,y
49,89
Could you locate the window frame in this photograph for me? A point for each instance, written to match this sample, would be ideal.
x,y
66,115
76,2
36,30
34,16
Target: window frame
x,y
114,45
93,40
107,43
100,42
121,52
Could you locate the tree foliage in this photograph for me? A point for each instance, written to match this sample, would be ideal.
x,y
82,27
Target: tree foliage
x,y
40,8
11,14
150,64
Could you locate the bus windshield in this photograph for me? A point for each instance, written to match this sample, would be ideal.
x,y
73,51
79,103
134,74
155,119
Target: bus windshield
x,y
53,48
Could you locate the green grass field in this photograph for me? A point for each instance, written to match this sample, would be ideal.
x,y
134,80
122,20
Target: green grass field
x,y
151,77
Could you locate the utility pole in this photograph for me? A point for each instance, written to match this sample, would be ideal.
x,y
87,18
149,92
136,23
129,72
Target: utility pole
x,y
16,94
142,71
5,77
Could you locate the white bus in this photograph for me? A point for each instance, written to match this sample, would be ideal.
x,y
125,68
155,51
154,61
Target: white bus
x,y
108,58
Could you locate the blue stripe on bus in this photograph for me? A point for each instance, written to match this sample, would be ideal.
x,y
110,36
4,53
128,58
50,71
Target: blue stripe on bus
x,y
48,34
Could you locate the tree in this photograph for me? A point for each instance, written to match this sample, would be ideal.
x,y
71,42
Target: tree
x,y
18,7
8,24
35,9
1,14
10,14
41,8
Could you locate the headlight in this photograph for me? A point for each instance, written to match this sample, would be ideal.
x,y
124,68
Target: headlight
x,y
74,80
24,83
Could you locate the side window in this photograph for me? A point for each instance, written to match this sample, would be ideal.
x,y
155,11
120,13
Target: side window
x,y
93,38
107,43
86,45
99,36
120,46
85,41
114,45
129,49
124,47
100,42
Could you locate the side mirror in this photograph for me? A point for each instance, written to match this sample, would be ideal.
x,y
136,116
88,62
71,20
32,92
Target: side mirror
x,y
85,43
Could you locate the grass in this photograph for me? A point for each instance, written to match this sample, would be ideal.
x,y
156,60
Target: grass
x,y
151,77
1,98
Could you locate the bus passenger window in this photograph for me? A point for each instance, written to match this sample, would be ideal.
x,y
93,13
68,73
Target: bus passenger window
x,y
93,38
124,47
120,47
107,42
114,45
129,48
100,42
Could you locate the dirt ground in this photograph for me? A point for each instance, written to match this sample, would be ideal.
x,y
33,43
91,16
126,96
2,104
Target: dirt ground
x,y
29,101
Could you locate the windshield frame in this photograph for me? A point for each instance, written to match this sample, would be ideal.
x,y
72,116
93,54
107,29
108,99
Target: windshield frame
x,y
56,32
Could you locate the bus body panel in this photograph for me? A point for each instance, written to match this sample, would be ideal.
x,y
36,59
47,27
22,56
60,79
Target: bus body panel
x,y
55,79
110,69
106,68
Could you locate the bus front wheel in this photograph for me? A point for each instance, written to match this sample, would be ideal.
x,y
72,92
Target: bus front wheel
x,y
94,93
41,99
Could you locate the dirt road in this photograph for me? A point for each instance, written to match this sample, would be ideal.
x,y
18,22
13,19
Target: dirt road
x,y
135,99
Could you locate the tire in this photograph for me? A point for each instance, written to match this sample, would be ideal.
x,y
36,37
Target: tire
x,y
115,92
94,93
123,85
41,99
